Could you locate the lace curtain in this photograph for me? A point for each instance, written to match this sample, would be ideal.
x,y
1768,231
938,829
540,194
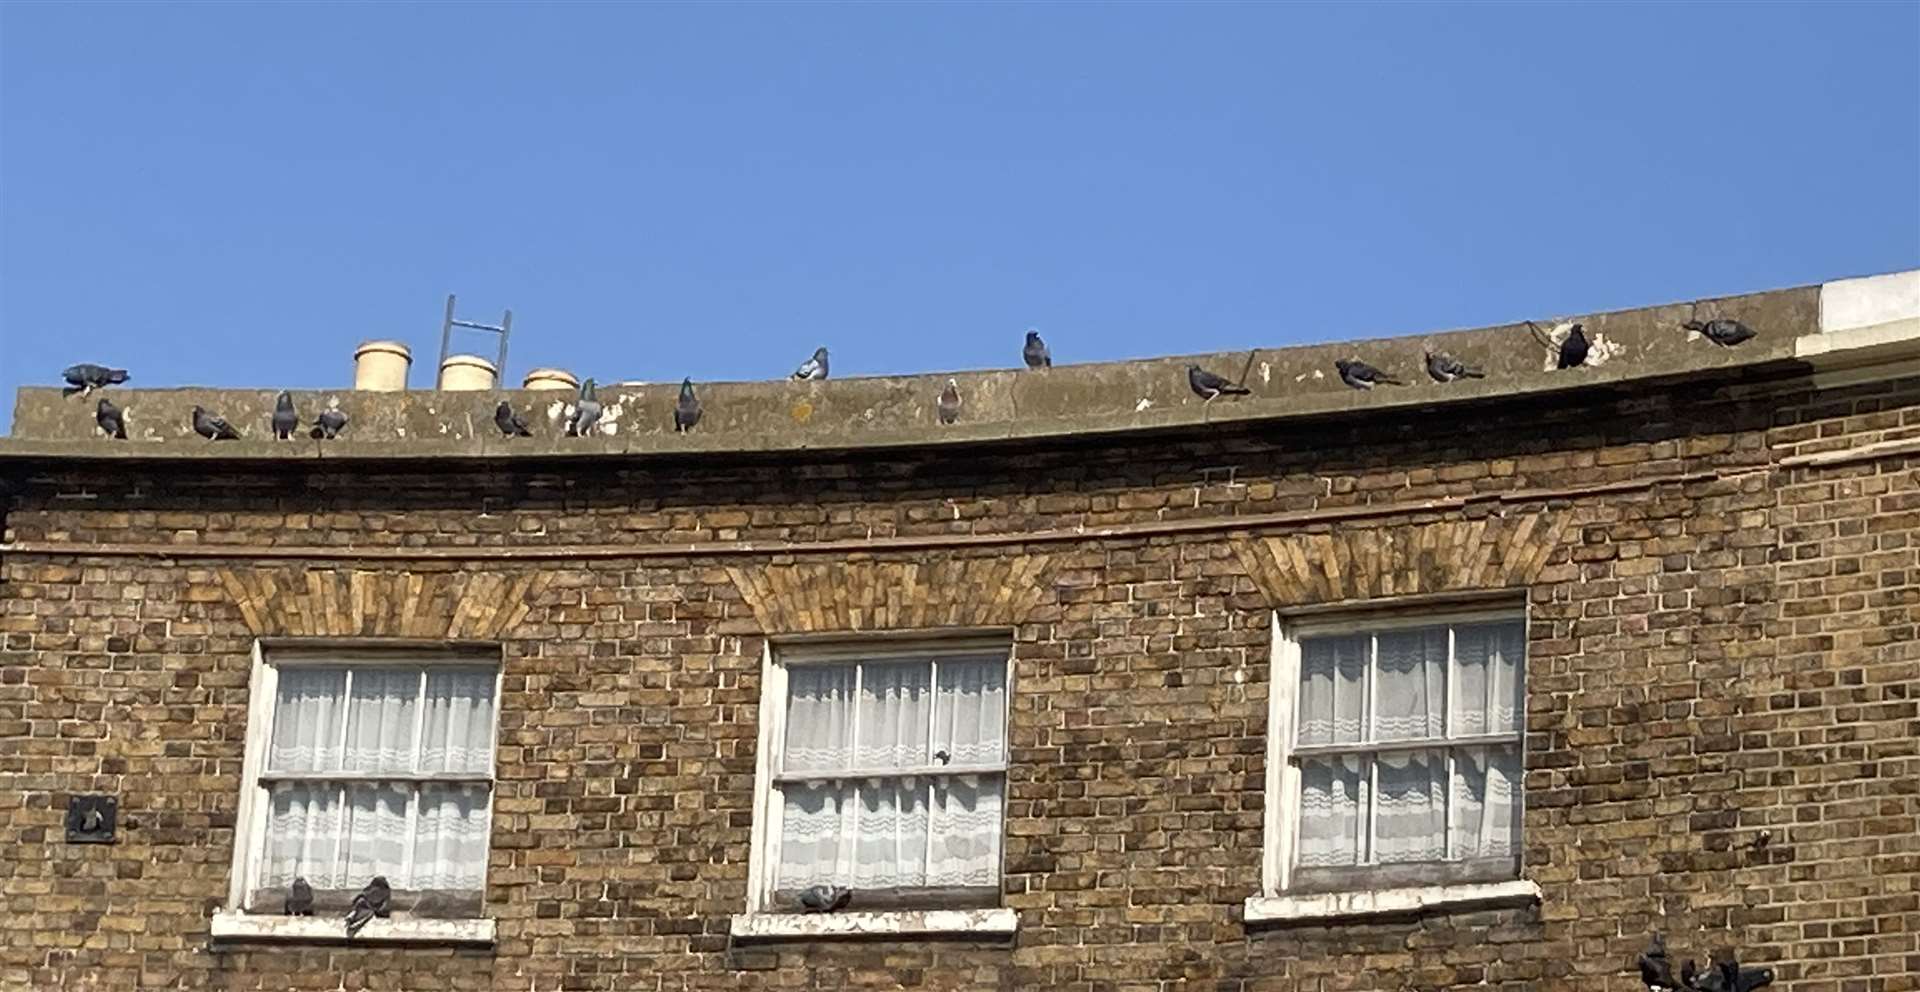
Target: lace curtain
x,y
339,834
875,830
1368,807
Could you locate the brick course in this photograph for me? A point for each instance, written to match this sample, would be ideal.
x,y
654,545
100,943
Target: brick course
x,y
1722,641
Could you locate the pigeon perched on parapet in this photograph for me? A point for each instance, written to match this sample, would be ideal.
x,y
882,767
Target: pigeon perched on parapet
x,y
110,419
586,411
1656,970
1573,350
686,412
212,426
1206,384
949,406
1360,375
1036,353
374,900
825,898
328,425
285,420
813,368
1722,331
87,377
511,424
1446,368
299,898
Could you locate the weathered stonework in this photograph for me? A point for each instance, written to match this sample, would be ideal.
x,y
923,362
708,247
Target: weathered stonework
x,y
1722,579
296,601
997,591
1368,562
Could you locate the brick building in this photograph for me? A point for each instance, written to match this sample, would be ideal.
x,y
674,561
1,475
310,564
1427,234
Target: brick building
x,y
1101,688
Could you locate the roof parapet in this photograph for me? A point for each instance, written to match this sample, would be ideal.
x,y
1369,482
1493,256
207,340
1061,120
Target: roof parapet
x,y
1857,327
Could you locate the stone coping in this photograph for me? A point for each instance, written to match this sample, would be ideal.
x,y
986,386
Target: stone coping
x,y
1851,323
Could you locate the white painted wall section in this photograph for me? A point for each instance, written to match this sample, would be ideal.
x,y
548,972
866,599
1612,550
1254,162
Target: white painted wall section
x,y
1847,304
1868,322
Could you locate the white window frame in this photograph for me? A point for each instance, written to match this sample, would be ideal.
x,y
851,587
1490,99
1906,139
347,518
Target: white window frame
x,y
1282,806
238,921
762,919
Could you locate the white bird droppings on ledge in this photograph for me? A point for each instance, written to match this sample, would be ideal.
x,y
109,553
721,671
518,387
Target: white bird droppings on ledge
x,y
1604,350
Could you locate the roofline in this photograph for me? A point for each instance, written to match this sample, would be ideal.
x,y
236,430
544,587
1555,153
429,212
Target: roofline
x,y
1866,329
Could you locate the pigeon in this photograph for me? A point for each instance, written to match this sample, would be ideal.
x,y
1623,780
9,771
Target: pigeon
x,y
285,420
686,413
1719,977
586,411
1722,331
1446,368
511,424
1655,969
1360,375
813,368
300,898
1573,350
949,405
825,898
1036,353
374,900
110,419
212,426
86,377
328,425
1208,385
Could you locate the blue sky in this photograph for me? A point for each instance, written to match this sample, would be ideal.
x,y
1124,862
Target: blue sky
x,y
234,194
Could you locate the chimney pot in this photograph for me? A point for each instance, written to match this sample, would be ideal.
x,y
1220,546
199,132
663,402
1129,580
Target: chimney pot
x,y
381,366
550,379
466,373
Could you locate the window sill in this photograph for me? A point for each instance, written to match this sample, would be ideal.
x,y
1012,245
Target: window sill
x,y
241,927
1337,905
775,926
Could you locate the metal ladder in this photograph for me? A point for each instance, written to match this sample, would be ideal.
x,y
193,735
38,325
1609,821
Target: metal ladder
x,y
447,325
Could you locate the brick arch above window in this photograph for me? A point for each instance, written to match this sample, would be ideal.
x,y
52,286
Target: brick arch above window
x,y
326,602
895,595
1404,559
